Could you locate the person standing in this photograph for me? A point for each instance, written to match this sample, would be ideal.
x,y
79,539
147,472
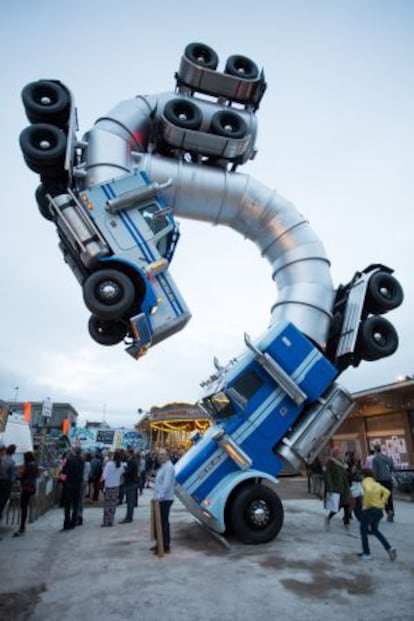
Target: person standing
x,y
7,476
382,469
164,492
355,478
111,477
84,487
374,499
72,479
95,475
142,467
130,482
28,478
370,459
336,482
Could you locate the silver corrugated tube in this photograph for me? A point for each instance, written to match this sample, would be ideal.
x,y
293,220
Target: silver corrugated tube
x,y
299,264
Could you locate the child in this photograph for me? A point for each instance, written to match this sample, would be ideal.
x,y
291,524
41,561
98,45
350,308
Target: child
x,y
373,502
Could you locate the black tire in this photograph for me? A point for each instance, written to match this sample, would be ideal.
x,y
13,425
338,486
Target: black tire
x,y
183,113
201,55
229,124
256,514
242,67
108,293
44,148
46,102
106,332
384,293
43,203
377,338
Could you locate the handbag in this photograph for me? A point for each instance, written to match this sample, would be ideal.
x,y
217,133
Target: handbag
x,y
356,489
332,501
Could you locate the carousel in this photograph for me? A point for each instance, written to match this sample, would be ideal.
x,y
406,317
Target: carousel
x,y
172,425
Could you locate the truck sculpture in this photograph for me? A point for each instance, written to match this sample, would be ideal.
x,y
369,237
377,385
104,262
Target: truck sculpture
x,y
114,196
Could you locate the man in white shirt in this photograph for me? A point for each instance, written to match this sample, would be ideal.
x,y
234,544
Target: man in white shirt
x,y
164,493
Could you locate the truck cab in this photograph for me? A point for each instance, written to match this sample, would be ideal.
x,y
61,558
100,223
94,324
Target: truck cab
x,y
273,407
118,237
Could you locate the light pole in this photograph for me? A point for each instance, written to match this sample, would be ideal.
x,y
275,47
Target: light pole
x,y
16,392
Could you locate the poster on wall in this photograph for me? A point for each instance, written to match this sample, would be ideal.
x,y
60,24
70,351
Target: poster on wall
x,y
92,439
395,447
105,436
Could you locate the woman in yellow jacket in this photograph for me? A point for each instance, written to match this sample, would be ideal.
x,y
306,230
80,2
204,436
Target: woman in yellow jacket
x,y
374,499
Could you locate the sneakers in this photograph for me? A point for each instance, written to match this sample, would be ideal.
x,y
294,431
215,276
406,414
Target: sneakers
x,y
18,533
392,552
364,557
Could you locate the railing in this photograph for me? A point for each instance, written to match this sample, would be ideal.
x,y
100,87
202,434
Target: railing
x,y
46,496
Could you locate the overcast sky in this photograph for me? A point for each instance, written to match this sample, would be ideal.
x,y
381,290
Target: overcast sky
x,y
335,137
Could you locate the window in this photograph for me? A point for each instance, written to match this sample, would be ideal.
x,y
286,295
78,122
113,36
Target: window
x,y
248,384
218,405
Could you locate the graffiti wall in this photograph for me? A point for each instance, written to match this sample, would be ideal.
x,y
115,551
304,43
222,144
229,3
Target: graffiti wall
x,y
111,439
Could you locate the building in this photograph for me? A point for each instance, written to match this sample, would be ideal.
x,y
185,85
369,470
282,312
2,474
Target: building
x,y
45,415
382,415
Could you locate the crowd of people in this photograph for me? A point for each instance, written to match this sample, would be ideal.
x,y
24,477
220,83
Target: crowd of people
x,y
111,476
117,475
360,490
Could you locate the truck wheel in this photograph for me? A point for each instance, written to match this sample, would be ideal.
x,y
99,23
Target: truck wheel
x,y
242,67
183,113
377,338
43,203
201,55
108,293
256,514
228,124
106,332
46,102
384,293
44,148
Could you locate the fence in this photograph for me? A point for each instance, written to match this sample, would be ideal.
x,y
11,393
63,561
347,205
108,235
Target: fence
x,y
47,496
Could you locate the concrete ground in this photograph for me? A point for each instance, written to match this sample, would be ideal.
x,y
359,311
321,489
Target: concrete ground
x,y
94,573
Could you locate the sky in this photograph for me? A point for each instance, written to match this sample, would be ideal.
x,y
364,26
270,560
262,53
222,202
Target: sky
x,y
335,137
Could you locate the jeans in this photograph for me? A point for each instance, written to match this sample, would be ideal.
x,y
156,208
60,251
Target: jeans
x,y
165,506
370,518
24,508
130,490
70,502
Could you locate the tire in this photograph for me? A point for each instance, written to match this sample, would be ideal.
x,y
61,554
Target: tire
x,y
229,124
108,293
106,332
46,102
183,113
43,203
201,55
256,514
242,67
377,338
384,293
44,148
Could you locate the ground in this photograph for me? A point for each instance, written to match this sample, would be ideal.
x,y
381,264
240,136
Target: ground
x,y
304,574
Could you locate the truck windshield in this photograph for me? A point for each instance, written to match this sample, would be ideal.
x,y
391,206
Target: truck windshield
x,y
160,227
218,405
